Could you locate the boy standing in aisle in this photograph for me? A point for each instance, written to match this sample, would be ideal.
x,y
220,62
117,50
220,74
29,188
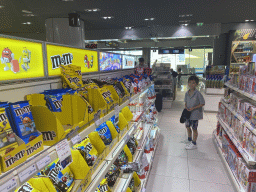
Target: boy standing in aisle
x,y
194,102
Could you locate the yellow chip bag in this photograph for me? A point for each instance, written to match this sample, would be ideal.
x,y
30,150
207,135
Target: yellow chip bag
x,y
103,187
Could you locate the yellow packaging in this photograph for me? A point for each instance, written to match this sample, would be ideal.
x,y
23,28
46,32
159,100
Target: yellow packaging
x,y
122,121
88,151
15,157
128,153
127,113
97,142
128,190
62,179
137,180
27,187
103,186
112,129
35,146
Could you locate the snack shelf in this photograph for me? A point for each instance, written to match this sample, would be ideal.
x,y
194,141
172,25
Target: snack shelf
x,y
50,152
238,116
124,182
110,159
251,96
150,157
247,157
231,174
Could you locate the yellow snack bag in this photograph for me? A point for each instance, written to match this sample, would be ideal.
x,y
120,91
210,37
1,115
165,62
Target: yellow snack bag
x,y
97,142
128,153
122,121
88,151
128,190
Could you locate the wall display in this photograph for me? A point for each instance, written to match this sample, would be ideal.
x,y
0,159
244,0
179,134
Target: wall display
x,y
110,61
60,55
128,62
20,59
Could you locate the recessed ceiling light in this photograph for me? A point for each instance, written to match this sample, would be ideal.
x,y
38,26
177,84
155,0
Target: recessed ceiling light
x,y
181,15
28,15
252,20
26,11
109,17
146,19
186,24
28,23
94,10
24,23
152,19
246,20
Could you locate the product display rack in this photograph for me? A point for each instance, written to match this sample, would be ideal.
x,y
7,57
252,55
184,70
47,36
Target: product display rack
x,y
164,82
231,174
246,156
49,153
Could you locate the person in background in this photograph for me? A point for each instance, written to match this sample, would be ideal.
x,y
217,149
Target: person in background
x,y
179,76
194,102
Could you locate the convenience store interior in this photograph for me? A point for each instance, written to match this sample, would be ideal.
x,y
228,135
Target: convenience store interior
x,y
75,65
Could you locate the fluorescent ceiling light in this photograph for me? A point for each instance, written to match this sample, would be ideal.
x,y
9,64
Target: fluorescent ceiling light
x,y
26,11
152,19
146,19
186,24
252,20
109,17
26,23
92,10
246,20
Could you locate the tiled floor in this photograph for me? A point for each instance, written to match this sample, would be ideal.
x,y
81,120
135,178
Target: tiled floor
x,y
175,169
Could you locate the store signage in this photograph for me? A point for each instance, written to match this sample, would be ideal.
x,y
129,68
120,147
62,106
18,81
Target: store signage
x,y
20,59
245,35
43,162
60,55
91,46
128,62
171,51
9,185
27,173
110,61
64,153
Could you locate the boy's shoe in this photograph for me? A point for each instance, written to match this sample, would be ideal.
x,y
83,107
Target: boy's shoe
x,y
190,146
186,141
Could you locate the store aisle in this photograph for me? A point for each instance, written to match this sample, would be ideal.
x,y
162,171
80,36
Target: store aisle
x,y
177,170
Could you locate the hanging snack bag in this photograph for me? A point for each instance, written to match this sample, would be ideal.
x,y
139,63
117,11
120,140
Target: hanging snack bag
x,y
7,137
104,133
88,151
22,121
62,179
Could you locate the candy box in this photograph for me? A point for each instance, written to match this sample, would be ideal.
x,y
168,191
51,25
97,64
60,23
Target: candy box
x,y
240,132
14,155
228,117
248,111
22,121
232,158
239,169
253,119
237,128
222,111
241,107
247,84
7,137
233,123
253,85
227,95
247,178
242,83
251,145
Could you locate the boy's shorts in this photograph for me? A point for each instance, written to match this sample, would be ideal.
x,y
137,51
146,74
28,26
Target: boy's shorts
x,y
192,123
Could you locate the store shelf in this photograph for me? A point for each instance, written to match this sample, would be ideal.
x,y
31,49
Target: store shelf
x,y
238,116
238,63
109,160
247,157
51,151
251,96
150,157
231,174
244,52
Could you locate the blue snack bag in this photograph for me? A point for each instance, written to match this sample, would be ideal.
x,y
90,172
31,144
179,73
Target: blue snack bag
x,y
22,121
115,121
104,133
54,102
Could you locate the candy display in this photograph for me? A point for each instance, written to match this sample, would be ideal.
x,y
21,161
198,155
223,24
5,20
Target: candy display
x,y
112,175
88,151
22,121
104,133
61,178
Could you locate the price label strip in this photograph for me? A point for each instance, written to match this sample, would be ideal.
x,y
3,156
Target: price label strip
x,y
64,153
9,185
43,162
27,173
76,139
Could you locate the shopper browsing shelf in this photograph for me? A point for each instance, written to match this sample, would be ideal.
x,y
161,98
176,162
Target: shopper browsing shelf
x,y
194,101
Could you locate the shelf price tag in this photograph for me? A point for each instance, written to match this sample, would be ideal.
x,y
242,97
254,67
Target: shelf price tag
x,y
64,153
76,139
43,162
27,173
9,185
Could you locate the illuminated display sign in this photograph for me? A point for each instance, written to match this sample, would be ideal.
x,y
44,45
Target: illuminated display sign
x,y
60,55
110,61
128,62
20,59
